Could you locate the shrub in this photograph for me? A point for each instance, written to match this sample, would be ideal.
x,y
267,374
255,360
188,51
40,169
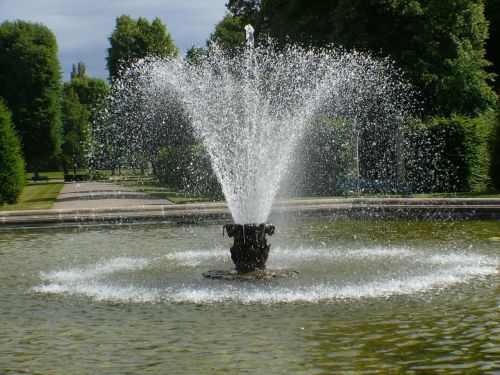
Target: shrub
x,y
187,168
450,154
323,162
495,151
12,174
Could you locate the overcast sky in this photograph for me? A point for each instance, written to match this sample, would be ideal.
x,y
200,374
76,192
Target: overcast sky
x,y
82,27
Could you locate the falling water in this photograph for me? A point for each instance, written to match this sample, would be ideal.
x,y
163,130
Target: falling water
x,y
250,109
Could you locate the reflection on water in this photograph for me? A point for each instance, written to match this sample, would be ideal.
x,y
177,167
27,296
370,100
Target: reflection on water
x,y
374,296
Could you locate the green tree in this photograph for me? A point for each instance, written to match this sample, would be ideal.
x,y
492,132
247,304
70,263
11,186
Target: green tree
x,y
76,129
440,44
81,99
451,154
492,12
78,70
495,151
248,10
12,175
134,39
195,55
30,82
229,33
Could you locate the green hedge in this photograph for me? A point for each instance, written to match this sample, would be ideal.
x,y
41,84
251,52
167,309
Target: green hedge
x,y
495,151
456,154
12,174
450,154
322,163
187,168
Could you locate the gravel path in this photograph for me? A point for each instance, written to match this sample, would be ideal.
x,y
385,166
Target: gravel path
x,y
103,195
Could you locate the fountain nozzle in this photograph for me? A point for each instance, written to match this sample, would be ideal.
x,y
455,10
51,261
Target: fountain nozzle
x,y
250,249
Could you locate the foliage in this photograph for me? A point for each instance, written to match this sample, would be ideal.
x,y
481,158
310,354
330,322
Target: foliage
x,y
492,13
450,154
76,129
126,133
482,168
134,39
12,178
195,55
324,159
438,43
187,168
30,83
495,151
81,97
78,70
229,33
131,130
91,91
246,9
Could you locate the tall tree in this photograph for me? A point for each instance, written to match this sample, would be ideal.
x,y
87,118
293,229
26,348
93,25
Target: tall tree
x,y
195,55
134,39
229,33
246,9
492,12
495,152
440,44
12,177
30,82
76,130
81,99
78,70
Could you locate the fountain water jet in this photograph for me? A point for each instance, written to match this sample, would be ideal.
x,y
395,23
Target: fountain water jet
x,y
250,109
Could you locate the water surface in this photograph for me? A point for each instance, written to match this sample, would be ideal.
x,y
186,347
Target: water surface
x,y
371,296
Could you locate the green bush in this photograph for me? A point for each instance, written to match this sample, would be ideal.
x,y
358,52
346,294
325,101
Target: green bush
x,y
495,151
450,154
187,168
323,161
12,174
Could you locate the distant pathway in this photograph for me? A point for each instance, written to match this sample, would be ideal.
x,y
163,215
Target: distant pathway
x,y
79,195
99,203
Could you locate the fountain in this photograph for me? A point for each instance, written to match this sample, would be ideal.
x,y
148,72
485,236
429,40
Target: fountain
x,y
250,249
402,296
250,110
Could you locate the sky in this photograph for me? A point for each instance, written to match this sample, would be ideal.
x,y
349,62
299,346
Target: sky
x,y
82,27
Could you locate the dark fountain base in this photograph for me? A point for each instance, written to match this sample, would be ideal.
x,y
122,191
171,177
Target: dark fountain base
x,y
249,253
250,249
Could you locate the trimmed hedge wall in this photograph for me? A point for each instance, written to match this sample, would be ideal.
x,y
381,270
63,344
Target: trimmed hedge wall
x,y
495,151
12,175
187,168
450,154
456,154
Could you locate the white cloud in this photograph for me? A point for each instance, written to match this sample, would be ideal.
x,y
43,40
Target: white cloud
x,y
82,27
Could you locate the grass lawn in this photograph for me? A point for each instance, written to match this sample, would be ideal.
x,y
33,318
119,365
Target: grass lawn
x,y
149,186
36,196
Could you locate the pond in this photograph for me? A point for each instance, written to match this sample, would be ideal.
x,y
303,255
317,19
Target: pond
x,y
371,296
